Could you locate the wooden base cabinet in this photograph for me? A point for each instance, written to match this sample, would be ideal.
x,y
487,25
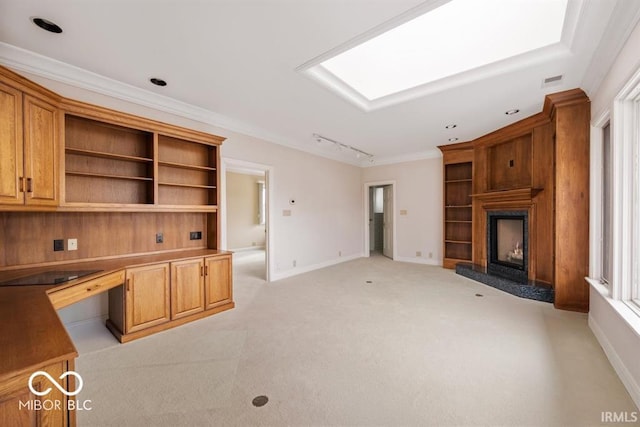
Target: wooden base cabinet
x,y
218,281
146,297
187,288
20,407
161,296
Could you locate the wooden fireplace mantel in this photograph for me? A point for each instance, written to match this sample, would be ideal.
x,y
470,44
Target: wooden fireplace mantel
x,y
540,163
517,194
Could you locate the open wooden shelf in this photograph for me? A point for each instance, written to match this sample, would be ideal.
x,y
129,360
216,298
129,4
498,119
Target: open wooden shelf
x,y
108,176
174,184
105,155
184,166
107,163
458,225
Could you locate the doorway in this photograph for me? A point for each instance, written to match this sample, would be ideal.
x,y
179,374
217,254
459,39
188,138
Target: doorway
x,y
246,191
379,219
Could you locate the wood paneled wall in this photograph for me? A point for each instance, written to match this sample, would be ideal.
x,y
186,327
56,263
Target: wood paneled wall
x,y
27,238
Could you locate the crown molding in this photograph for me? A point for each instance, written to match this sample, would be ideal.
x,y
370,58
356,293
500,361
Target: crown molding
x,y
432,153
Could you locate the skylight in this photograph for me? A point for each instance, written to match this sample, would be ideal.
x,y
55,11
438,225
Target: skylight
x,y
459,36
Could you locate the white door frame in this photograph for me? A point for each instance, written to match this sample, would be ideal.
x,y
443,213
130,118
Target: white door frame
x,y
268,182
368,185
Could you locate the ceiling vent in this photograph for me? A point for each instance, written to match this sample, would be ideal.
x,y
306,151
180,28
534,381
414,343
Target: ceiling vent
x,y
552,81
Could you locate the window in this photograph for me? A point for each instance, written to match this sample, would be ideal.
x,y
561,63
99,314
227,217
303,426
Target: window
x,y
622,167
262,203
607,206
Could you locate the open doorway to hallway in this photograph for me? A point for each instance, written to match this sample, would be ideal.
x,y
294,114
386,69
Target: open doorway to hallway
x,y
246,225
381,220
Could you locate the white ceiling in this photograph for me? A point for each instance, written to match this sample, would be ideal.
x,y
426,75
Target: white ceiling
x,y
233,63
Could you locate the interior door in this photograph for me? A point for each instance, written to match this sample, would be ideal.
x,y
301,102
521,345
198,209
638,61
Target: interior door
x,y
372,234
387,197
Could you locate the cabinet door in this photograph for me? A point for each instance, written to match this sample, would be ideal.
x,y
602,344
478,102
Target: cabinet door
x,y
147,297
15,392
187,288
11,147
218,277
41,151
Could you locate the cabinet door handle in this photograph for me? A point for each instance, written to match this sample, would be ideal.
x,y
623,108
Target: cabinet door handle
x,y
201,271
21,179
29,186
128,287
206,270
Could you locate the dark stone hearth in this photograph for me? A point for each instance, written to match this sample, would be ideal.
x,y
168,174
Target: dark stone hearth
x,y
530,291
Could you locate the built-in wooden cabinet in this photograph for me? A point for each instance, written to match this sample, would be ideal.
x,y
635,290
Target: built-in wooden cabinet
x,y
123,162
107,163
19,406
29,144
160,296
187,287
218,282
186,172
147,297
458,185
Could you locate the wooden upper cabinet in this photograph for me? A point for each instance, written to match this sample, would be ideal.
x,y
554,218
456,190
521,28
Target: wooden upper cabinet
x,y
11,146
28,149
40,152
147,302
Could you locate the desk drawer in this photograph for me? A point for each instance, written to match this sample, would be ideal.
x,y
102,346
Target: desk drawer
x,y
64,297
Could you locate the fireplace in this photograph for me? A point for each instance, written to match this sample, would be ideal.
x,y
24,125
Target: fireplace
x,y
507,244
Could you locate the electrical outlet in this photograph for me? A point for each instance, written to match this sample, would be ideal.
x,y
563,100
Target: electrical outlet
x,y
58,245
72,244
418,253
159,238
339,253
195,235
294,262
430,254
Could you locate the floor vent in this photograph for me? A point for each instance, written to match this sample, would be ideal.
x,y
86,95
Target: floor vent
x,y
260,401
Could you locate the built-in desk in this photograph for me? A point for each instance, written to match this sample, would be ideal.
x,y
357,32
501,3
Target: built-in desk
x,y
32,337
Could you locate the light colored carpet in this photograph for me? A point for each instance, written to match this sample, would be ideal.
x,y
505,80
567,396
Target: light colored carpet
x,y
414,347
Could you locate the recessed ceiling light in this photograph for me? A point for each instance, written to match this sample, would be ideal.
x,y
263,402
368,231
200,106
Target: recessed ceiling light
x,y
451,126
453,139
512,112
52,27
157,82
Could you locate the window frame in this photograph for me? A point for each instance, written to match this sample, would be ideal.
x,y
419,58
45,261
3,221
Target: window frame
x,y
623,289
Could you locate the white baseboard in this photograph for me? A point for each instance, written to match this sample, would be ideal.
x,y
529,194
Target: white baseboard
x,y
300,270
248,248
618,365
419,261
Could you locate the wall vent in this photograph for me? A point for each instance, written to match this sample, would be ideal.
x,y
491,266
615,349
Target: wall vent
x,y
552,81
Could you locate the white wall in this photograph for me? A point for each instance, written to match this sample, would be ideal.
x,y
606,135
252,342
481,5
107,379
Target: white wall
x,y
243,228
617,336
418,191
326,218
